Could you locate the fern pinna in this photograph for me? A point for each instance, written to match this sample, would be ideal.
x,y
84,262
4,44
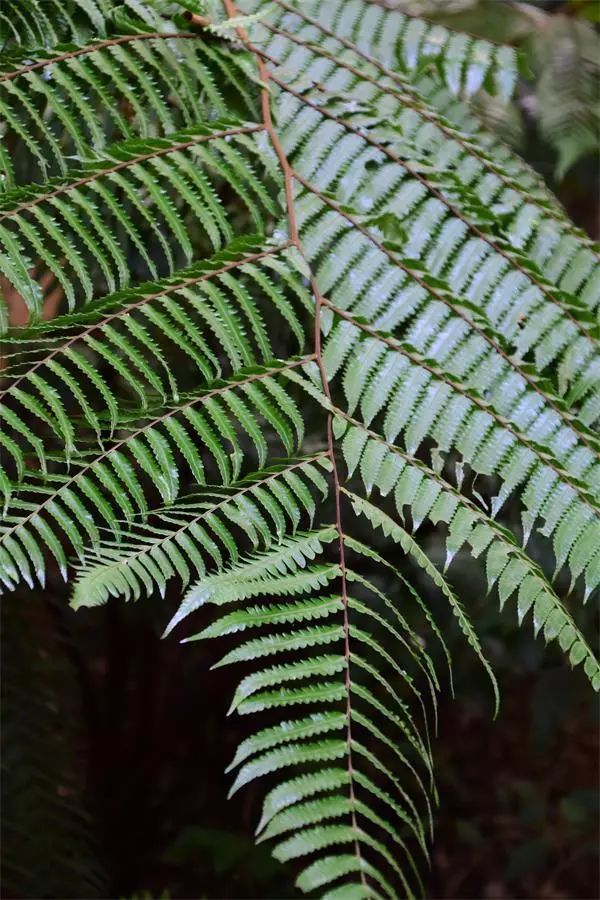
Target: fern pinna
x,y
305,298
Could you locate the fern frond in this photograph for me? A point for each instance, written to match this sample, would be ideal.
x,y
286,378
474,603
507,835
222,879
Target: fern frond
x,y
419,399
455,245
61,221
188,536
47,22
309,304
525,210
287,571
515,574
160,450
130,86
166,317
394,39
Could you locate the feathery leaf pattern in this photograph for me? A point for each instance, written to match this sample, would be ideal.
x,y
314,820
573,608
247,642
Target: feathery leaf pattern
x,y
305,297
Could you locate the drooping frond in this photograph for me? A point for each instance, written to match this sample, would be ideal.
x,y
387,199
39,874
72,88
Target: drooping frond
x,y
347,726
306,304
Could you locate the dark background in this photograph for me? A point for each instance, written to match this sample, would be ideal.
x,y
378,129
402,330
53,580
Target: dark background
x,y
114,742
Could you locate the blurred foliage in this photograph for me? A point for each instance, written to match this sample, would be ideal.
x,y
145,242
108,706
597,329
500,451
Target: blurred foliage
x,y
556,113
48,839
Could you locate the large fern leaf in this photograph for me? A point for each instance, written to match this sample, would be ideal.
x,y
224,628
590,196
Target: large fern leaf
x,y
306,298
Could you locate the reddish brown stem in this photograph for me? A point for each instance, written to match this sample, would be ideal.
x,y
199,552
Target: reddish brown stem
x,y
288,176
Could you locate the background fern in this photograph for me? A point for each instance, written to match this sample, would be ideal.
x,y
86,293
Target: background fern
x,y
557,104
303,289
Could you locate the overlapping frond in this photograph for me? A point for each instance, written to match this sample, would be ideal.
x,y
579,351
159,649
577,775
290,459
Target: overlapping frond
x,y
72,104
308,305
163,182
206,313
45,23
162,450
190,535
